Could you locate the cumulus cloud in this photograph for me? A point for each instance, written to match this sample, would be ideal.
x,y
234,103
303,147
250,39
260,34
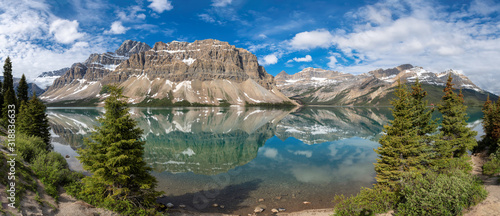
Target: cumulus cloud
x,y
160,6
24,23
306,58
221,3
269,60
65,31
390,33
311,39
116,28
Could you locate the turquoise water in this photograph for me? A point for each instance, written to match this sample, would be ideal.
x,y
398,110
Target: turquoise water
x,y
236,156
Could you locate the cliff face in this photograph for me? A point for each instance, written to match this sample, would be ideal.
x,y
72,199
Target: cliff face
x,y
207,72
317,86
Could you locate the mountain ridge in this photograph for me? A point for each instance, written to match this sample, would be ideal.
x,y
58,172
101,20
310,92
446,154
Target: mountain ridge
x,y
206,72
325,87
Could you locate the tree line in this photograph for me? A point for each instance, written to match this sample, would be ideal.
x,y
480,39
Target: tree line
x,y
422,167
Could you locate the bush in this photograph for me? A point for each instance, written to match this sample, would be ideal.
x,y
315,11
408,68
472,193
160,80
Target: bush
x,y
52,169
367,202
440,194
28,147
446,165
493,165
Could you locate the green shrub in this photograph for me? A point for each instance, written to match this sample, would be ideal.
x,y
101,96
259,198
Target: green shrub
x,y
493,165
52,169
28,147
367,202
440,194
446,165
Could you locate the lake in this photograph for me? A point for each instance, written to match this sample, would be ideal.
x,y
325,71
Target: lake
x,y
236,156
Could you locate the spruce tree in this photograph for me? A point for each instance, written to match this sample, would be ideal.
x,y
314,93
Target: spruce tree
x,y
491,125
455,137
9,99
114,155
32,119
401,149
22,90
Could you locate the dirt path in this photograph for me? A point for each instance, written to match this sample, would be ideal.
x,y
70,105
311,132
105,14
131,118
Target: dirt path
x,y
491,205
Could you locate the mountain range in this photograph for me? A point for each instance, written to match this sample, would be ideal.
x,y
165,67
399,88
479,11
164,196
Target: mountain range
x,y
315,86
213,73
206,72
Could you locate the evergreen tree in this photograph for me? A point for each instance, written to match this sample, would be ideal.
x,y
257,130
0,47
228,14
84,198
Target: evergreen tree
x,y
114,156
22,90
9,99
32,119
455,137
423,116
401,149
8,80
491,125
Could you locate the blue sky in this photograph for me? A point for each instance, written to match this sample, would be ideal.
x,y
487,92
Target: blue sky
x,y
347,36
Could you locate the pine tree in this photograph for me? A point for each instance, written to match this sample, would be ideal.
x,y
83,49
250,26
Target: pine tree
x,y
32,119
114,156
455,137
401,149
491,125
22,90
9,99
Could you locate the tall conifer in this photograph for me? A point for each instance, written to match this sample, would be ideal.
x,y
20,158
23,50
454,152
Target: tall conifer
x,y
22,90
114,156
401,149
455,137
32,119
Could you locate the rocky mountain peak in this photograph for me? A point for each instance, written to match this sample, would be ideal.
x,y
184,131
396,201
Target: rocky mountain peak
x,y
130,47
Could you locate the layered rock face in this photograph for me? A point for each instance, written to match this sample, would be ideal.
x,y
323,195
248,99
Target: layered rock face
x,y
207,72
317,86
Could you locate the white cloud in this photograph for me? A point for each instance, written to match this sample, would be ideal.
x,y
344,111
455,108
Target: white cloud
x,y
65,31
312,39
206,18
221,3
306,58
390,33
116,28
131,14
269,60
269,152
23,24
160,5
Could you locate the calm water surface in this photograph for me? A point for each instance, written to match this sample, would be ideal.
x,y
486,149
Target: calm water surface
x,y
236,156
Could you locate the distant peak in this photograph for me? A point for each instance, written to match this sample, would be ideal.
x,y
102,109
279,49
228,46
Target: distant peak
x,y
130,47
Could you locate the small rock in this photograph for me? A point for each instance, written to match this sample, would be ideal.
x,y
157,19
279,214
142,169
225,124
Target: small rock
x,y
261,200
281,209
170,205
215,205
274,210
67,156
258,209
278,198
307,203
222,206
182,206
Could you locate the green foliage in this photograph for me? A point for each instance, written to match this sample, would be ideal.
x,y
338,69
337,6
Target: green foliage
x,y
104,89
22,90
439,194
492,166
401,149
29,147
113,155
455,137
460,163
491,127
367,202
52,169
86,102
9,100
32,119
